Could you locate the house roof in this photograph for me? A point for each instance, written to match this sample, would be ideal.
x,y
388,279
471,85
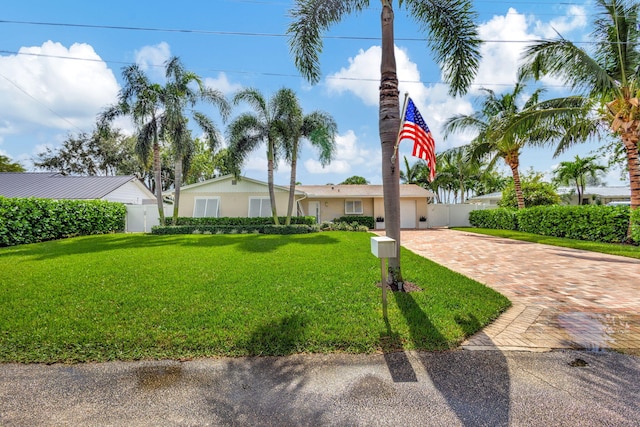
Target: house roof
x,y
342,191
50,185
229,178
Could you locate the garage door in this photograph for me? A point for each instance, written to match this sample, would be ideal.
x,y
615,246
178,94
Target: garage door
x,y
408,214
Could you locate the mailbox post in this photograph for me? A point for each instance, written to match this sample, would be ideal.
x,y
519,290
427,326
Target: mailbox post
x,y
383,247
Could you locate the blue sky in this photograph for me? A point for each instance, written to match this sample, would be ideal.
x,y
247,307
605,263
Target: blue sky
x,y
234,44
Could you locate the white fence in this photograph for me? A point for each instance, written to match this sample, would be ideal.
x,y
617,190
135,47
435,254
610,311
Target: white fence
x,y
140,218
441,215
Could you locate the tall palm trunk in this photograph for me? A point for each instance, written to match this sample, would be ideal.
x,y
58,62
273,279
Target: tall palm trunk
x,y
292,182
514,164
157,173
272,194
630,140
177,184
389,123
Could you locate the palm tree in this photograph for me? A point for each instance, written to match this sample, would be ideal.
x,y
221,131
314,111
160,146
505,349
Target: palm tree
x,y
452,37
181,97
318,127
504,128
142,100
577,172
609,75
265,125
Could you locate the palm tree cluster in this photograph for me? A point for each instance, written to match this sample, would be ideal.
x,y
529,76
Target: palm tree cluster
x,y
280,124
161,114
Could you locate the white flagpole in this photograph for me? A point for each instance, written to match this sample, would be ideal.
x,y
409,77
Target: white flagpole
x,y
404,110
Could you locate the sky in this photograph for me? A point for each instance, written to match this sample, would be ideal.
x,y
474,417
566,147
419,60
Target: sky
x,y
61,63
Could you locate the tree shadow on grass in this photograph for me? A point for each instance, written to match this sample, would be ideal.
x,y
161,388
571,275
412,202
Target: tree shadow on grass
x,y
112,242
475,384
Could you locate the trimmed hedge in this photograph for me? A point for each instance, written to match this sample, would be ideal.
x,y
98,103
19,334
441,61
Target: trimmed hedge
x,y
240,221
367,221
230,229
606,224
499,219
635,225
31,220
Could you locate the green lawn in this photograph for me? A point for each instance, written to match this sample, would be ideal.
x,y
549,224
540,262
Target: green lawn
x,y
126,297
630,251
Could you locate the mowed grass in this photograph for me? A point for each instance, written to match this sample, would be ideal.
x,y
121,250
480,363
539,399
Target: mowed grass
x,y
128,297
626,250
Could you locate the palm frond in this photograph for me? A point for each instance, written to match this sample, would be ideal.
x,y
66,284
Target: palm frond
x,y
453,37
311,18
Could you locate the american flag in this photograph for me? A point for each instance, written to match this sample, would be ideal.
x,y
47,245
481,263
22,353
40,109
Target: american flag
x,y
415,129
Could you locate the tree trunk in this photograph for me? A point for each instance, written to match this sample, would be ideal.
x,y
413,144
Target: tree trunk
x,y
292,182
177,184
517,185
157,172
389,124
630,140
272,194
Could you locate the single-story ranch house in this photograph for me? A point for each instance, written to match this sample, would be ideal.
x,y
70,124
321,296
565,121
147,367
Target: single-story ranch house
x,y
50,185
229,197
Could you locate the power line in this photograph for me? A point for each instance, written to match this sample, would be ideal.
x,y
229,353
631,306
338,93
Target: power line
x,y
21,89
237,33
260,73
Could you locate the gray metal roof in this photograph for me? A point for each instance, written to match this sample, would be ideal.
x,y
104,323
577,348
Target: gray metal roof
x,y
49,185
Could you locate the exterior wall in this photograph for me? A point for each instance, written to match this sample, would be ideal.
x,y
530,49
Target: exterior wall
x,y
333,208
233,198
131,193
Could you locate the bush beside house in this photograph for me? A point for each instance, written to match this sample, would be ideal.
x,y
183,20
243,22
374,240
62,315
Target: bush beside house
x,y
606,224
32,220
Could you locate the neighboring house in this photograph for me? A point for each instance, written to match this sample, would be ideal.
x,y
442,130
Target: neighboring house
x,y
591,196
229,197
48,185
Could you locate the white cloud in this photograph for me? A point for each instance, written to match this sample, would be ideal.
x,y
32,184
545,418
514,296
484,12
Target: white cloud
x,y
575,19
502,51
222,84
45,88
434,102
349,153
153,58
507,36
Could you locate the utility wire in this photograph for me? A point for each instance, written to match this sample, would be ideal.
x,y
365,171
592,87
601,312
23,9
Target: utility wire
x,y
239,33
259,73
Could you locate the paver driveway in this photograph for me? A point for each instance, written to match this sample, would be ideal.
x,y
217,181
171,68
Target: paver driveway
x,y
562,298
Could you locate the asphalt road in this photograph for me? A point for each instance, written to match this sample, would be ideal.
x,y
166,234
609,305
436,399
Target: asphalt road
x,y
458,388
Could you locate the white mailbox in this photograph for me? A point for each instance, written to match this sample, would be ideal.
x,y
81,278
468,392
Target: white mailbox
x,y
383,247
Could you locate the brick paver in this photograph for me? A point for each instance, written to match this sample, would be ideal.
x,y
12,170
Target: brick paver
x,y
562,298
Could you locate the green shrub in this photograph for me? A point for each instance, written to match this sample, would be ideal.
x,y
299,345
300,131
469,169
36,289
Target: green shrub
x,y
33,220
595,223
231,229
635,225
241,221
367,221
500,219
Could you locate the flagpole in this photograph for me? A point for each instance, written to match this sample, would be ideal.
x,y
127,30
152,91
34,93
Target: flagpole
x,y
404,110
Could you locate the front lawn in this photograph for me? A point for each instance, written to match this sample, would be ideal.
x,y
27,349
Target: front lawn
x,y
126,297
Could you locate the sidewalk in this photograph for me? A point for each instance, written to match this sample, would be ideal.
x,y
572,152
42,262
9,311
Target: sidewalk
x,y
562,298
